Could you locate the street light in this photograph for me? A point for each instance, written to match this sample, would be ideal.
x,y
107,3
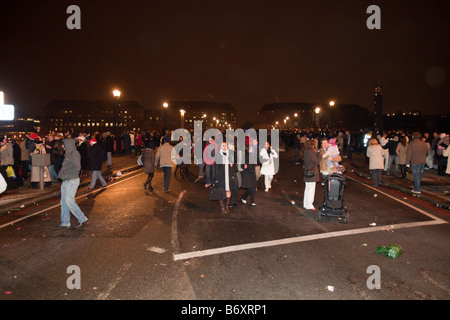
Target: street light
x,y
317,111
116,94
182,112
166,121
331,113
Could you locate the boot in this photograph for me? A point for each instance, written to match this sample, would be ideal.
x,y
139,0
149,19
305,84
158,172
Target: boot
x,y
227,205
222,206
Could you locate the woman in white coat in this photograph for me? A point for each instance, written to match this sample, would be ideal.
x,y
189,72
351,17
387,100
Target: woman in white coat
x,y
268,167
375,153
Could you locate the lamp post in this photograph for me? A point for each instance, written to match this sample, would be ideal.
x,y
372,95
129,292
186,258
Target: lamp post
x,y
182,112
331,103
317,112
116,94
166,121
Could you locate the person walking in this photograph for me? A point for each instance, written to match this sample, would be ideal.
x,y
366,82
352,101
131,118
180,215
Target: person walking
x,y
148,164
70,176
208,158
109,143
95,162
268,155
416,155
249,181
391,146
376,155
221,191
83,149
311,160
165,160
401,149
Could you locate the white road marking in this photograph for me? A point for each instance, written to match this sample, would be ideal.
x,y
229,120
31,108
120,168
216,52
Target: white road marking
x,y
104,295
59,204
264,244
175,243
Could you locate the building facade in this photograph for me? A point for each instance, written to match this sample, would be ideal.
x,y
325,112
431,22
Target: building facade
x,y
115,116
312,115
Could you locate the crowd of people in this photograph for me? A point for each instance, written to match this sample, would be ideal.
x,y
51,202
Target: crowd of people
x,y
74,155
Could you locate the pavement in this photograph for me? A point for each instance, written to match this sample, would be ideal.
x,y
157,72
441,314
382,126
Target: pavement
x,y
16,200
435,188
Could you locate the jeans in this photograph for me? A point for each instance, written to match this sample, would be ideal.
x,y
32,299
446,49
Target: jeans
x,y
68,191
200,169
392,158
417,171
52,172
296,156
167,174
210,174
97,174
109,158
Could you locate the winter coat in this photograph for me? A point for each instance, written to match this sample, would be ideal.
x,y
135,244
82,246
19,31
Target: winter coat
x,y
209,160
311,160
148,160
248,174
401,152
375,153
446,153
233,182
95,157
7,155
109,142
72,162
164,156
417,152
83,149
268,166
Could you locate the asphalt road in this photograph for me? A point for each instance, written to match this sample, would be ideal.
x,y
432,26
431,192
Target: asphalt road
x,y
142,245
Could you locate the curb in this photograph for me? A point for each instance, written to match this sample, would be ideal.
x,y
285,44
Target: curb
x,y
14,206
438,204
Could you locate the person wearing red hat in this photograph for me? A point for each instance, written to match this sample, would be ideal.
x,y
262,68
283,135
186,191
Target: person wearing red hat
x,y
96,160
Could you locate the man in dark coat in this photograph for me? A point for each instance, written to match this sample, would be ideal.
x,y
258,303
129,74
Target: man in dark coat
x,y
248,179
109,148
96,160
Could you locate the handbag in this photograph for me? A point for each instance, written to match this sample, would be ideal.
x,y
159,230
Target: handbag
x,y
10,172
309,173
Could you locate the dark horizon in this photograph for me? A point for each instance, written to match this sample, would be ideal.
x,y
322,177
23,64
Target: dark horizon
x,y
247,54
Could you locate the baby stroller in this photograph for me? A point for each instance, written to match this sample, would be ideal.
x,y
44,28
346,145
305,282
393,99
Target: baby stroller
x,y
333,204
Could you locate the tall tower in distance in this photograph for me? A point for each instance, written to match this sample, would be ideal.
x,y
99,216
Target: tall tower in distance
x,y
378,107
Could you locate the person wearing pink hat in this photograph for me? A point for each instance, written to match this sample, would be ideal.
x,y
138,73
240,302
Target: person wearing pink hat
x,y
96,160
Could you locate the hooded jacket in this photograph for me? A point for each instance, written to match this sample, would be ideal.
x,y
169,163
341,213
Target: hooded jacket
x,y
72,161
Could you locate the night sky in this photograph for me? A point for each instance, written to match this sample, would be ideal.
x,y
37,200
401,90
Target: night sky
x,y
246,53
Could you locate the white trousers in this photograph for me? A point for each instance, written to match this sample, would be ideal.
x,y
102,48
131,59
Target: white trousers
x,y
268,181
308,195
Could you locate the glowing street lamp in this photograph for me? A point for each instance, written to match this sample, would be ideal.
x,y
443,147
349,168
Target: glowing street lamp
x,y
331,103
116,94
182,112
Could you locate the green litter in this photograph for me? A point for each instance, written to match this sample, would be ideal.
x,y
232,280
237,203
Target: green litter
x,y
392,251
